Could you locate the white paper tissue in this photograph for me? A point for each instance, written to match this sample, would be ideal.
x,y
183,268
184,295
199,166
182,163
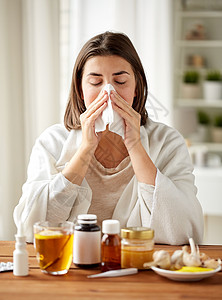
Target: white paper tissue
x,y
110,117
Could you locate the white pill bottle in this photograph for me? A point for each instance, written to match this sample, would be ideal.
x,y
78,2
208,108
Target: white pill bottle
x,y
87,242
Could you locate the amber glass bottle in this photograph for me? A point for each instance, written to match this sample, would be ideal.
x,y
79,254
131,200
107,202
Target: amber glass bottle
x,y
110,246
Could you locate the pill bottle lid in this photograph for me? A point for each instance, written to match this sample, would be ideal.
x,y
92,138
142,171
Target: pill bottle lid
x,y
87,219
111,227
141,233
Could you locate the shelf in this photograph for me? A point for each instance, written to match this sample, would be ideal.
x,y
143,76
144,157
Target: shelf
x,y
200,14
212,147
204,43
209,50
201,71
199,103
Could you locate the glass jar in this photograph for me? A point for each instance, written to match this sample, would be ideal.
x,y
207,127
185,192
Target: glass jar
x,y
136,247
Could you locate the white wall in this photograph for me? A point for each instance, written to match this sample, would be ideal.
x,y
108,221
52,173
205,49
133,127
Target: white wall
x,y
208,181
212,229
40,41
29,98
12,171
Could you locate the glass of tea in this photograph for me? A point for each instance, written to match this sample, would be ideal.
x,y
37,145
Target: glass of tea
x,y
54,246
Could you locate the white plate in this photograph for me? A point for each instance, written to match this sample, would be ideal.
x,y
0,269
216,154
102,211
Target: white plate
x,y
185,276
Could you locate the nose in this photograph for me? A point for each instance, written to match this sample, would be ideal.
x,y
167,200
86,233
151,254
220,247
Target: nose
x,y
108,87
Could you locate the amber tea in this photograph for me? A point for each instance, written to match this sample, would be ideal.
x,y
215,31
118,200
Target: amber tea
x,y
54,249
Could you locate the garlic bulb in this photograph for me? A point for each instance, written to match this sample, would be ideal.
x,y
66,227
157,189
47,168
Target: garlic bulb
x,y
191,259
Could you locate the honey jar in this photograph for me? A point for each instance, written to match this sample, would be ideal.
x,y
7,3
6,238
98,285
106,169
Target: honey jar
x,y
136,246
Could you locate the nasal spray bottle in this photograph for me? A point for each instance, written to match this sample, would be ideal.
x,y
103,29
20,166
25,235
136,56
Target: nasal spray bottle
x,y
20,254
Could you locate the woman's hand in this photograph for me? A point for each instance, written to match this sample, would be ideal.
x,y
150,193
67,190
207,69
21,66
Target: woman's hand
x,y
143,166
76,169
89,139
131,119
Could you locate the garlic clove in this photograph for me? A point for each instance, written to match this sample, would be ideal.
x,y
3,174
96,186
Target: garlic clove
x,y
177,260
204,256
212,263
177,255
162,259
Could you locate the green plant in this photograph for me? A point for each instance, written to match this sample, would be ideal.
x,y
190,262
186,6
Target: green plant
x,y
203,118
191,77
218,121
213,75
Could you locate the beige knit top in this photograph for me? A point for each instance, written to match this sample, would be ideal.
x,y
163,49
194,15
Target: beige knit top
x,y
107,186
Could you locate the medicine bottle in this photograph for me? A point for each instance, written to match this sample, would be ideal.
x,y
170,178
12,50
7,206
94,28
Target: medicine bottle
x,y
87,242
136,246
110,246
20,255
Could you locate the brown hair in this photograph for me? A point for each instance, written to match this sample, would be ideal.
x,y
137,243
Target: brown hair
x,y
105,44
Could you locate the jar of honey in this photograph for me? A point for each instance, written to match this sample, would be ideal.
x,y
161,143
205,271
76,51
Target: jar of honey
x,y
136,246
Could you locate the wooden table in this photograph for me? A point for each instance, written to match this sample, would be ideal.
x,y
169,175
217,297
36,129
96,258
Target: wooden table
x,y
76,285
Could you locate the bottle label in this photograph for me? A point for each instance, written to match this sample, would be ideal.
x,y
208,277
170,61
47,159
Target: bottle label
x,y
86,247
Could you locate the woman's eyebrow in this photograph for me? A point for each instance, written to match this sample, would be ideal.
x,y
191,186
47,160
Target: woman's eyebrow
x,y
94,74
120,73
114,74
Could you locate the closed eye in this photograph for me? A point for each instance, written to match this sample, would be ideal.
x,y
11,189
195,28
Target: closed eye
x,y
95,84
120,82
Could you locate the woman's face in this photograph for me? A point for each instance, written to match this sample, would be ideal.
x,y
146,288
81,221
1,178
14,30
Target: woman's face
x,y
101,70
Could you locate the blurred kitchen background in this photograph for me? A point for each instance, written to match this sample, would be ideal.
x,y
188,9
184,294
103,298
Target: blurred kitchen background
x,y
180,45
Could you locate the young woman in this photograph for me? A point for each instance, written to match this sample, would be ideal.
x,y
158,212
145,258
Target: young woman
x,y
143,179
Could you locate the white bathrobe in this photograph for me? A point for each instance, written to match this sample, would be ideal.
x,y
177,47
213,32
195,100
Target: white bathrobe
x,y
170,208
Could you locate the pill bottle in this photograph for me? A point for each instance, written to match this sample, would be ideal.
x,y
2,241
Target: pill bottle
x,y
136,246
110,246
87,242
